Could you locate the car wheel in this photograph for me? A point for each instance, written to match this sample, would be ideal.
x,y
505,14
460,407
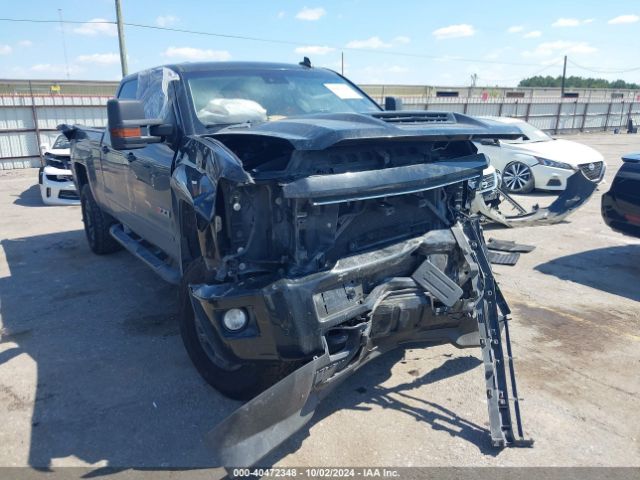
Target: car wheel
x,y
517,177
234,379
97,224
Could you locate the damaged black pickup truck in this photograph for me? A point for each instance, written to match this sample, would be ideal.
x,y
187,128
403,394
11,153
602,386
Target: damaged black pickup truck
x,y
308,229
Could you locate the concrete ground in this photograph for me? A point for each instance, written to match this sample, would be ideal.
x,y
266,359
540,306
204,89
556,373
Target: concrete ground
x,y
93,372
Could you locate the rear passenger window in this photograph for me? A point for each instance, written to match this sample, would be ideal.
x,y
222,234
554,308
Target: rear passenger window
x,y
129,89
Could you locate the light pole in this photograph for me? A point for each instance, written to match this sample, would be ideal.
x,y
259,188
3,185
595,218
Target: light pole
x,y
123,47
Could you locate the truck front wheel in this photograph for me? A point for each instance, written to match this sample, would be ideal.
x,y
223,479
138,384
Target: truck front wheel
x,y
239,381
97,224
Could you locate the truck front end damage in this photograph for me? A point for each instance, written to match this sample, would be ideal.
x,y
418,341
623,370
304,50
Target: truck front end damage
x,y
334,240
579,190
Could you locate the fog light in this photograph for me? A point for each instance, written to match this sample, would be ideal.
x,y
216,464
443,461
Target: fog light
x,y
235,319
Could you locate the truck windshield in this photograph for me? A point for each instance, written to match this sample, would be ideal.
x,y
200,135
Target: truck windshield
x,y
61,142
264,95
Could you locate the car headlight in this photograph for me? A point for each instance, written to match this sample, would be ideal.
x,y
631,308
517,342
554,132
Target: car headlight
x,y
552,163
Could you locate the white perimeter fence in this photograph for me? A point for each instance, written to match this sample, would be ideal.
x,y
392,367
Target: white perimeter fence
x,y
28,121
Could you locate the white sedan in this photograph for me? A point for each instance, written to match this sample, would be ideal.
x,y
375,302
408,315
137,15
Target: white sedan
x,y
537,160
55,178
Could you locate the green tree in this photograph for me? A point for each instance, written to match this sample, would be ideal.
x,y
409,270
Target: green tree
x,y
576,82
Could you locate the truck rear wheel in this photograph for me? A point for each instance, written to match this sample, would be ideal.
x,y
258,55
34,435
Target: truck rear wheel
x,y
97,224
241,381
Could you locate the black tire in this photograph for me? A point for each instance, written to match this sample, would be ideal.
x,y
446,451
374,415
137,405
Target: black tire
x,y
517,177
97,224
239,381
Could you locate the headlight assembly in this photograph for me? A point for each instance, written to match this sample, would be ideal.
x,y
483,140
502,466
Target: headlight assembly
x,y
554,164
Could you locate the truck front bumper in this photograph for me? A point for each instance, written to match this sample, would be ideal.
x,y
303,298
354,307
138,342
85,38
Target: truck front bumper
x,y
288,318
260,425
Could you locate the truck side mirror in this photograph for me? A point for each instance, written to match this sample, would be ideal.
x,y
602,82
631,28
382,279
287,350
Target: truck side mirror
x,y
490,142
127,125
392,103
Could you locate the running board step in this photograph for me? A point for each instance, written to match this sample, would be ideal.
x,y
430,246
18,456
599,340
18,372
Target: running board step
x,y
140,250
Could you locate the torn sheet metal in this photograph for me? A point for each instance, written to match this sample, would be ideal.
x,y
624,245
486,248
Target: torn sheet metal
x,y
579,189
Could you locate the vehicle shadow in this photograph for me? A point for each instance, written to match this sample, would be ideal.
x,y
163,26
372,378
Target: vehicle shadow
x,y
115,388
611,269
363,391
30,197
114,385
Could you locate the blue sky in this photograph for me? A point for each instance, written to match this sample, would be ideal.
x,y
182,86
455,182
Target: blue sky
x,y
404,42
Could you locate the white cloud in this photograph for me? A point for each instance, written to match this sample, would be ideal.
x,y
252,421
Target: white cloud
x,y
515,29
314,50
497,53
532,34
549,48
624,19
571,22
402,40
56,69
454,31
281,14
566,22
5,49
372,43
100,58
166,20
190,53
97,26
311,13
25,43
384,73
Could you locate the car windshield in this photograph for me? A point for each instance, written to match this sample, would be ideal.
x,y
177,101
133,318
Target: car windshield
x,y
61,142
531,134
240,96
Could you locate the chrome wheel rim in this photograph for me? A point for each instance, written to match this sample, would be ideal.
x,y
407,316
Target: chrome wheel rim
x,y
516,176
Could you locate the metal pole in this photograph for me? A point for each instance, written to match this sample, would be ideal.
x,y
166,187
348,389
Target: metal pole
x,y
606,120
630,109
34,115
564,75
123,48
584,116
64,43
558,118
342,63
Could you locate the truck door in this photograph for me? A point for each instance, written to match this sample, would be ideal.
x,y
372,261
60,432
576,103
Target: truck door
x,y
150,167
115,167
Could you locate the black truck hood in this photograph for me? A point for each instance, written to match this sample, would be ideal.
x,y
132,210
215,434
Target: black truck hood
x,y
317,132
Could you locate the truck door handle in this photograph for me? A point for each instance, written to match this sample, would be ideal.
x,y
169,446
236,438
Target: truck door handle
x,y
105,149
131,157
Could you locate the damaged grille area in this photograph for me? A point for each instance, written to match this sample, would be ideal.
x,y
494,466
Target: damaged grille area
x,y
303,215
488,182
